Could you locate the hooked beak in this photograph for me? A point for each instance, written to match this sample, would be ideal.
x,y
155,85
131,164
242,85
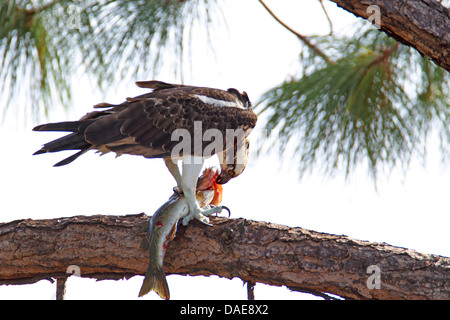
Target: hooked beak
x,y
223,178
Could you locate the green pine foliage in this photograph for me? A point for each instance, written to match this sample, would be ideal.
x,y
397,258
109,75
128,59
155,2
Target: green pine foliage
x,y
31,60
364,99
374,103
44,43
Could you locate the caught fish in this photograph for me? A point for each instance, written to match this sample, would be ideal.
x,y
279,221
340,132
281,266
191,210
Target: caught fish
x,y
163,226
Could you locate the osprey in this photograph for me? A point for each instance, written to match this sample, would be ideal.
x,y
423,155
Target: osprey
x,y
173,122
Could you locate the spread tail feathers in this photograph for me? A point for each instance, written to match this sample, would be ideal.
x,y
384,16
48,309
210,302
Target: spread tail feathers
x,y
68,126
72,141
155,280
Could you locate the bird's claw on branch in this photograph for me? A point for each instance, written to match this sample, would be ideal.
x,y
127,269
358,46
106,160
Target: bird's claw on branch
x,y
221,208
229,212
203,215
177,190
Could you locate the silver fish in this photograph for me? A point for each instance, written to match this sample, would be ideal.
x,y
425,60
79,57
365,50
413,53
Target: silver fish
x,y
163,226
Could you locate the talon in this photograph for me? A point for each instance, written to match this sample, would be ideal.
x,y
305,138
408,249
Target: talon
x,y
177,190
203,219
229,212
200,217
201,214
226,208
206,221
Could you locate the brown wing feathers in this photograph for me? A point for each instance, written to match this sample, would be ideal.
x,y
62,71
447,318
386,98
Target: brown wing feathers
x,y
143,125
147,121
105,130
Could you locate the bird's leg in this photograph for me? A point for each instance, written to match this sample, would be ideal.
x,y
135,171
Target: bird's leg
x,y
175,171
191,170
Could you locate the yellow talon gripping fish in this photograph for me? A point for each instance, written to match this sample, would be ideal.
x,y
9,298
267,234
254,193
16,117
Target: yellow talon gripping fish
x,y
163,225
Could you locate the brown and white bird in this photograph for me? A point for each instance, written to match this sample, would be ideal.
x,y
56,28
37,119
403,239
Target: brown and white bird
x,y
173,122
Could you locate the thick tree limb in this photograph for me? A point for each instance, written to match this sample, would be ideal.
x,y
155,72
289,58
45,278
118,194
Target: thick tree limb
x,y
421,24
107,247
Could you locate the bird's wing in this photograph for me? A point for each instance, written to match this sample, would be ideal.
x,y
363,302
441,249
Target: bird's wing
x,y
143,125
151,119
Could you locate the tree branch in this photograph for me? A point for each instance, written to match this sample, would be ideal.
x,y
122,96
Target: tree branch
x,y
421,24
303,38
107,247
330,23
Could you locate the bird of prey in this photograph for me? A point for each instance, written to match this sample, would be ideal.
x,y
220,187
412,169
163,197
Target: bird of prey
x,y
173,122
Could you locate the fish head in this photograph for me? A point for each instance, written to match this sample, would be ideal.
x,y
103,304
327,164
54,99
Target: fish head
x,y
208,190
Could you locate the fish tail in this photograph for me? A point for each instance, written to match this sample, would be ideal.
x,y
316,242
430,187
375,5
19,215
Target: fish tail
x,y
155,280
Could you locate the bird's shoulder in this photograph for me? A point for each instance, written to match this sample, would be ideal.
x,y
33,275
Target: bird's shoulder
x,y
211,97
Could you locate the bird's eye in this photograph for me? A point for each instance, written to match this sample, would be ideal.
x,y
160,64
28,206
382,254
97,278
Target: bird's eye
x,y
231,172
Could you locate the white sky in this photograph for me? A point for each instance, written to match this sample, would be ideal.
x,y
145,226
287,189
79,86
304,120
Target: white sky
x,y
254,55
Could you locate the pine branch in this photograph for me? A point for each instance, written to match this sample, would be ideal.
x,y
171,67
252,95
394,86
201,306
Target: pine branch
x,y
107,247
421,24
38,55
357,109
303,38
330,23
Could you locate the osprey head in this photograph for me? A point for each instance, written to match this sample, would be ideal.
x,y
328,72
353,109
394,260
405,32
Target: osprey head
x,y
233,167
243,97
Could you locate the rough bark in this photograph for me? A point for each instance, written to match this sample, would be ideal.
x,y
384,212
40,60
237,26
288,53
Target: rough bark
x,y
107,247
421,24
